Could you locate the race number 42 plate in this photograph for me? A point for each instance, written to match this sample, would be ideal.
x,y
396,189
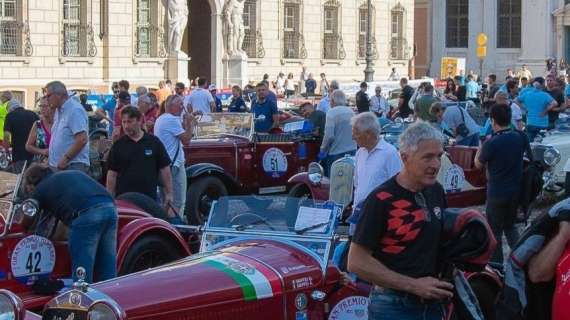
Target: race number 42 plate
x,y
32,258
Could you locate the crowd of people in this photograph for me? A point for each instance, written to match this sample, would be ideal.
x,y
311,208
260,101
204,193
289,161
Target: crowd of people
x,y
149,130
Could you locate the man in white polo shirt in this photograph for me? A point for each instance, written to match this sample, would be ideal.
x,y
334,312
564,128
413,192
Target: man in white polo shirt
x,y
376,160
200,100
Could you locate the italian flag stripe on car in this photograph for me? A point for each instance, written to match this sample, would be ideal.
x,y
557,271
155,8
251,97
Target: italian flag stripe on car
x,y
252,282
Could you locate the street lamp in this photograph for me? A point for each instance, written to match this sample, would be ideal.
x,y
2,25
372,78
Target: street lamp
x,y
369,71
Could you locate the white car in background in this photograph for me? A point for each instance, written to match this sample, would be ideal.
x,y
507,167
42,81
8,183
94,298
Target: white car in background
x,y
559,138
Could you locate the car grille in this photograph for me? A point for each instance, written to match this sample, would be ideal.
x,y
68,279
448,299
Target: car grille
x,y
52,314
273,138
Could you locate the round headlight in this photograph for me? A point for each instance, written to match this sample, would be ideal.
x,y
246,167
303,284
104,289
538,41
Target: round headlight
x,y
30,207
102,311
11,307
315,172
551,157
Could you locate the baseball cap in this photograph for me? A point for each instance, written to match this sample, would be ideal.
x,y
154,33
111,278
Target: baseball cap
x,y
212,87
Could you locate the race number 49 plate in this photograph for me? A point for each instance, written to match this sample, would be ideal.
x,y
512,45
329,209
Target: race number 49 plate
x,y
32,258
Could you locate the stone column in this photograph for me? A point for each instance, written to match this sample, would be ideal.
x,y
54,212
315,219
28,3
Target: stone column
x,y
235,70
177,68
537,37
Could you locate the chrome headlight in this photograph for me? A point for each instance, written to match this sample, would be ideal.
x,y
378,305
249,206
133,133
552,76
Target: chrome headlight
x,y
29,208
11,306
315,172
551,157
104,311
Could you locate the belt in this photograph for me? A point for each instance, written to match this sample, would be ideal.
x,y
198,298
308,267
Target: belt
x,y
80,212
406,295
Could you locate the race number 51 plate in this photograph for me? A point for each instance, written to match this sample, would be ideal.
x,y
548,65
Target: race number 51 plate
x,y
32,258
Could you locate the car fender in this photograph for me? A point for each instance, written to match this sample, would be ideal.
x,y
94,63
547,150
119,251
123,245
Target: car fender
x,y
99,130
200,169
318,191
137,228
567,166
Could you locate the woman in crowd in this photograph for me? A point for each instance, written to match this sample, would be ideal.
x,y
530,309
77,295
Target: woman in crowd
x,y
450,91
40,134
237,104
289,85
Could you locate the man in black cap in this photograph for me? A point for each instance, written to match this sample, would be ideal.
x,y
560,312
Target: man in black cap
x,y
124,100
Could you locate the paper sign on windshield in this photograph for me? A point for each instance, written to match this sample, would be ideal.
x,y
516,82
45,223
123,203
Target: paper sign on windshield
x,y
309,217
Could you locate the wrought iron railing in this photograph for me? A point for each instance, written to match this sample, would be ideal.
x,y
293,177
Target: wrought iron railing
x,y
294,45
398,48
333,47
78,40
15,38
362,47
149,42
253,44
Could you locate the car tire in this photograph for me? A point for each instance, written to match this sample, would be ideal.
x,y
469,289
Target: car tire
x,y
147,252
300,191
199,196
146,203
567,185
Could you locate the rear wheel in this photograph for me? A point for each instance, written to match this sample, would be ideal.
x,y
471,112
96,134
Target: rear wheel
x,y
145,203
300,191
148,252
199,197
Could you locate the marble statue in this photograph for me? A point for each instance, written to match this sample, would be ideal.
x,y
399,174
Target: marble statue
x,y
233,28
177,20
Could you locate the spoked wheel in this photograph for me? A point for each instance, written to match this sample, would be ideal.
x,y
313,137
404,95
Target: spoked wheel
x,y
148,252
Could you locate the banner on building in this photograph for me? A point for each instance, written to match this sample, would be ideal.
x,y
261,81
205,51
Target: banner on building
x,y
451,67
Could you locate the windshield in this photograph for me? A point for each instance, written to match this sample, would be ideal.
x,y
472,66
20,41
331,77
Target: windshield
x,y
218,124
278,215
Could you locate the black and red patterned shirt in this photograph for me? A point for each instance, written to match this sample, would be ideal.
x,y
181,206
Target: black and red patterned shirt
x,y
402,228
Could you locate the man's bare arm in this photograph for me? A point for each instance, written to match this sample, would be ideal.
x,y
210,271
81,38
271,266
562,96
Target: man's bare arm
x,y
111,182
542,266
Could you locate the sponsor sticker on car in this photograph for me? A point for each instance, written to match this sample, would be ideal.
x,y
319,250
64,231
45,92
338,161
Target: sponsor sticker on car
x,y
274,163
32,258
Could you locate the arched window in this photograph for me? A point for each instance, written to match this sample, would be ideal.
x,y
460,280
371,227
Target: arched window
x,y
398,40
508,23
457,23
293,41
252,42
149,35
14,31
362,29
332,38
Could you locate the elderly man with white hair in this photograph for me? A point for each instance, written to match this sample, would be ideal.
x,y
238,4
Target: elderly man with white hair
x,y
395,246
337,140
376,160
149,111
378,104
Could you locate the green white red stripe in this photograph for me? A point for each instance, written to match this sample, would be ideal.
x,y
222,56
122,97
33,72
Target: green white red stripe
x,y
251,276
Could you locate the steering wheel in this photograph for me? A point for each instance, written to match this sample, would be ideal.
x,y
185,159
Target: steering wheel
x,y
250,218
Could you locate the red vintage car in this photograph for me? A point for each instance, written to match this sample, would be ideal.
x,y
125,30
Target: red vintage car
x,y
260,257
226,157
465,185
143,241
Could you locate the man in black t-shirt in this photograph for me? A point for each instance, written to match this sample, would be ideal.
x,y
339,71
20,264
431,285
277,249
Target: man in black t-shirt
x,y
362,98
404,109
17,127
395,246
137,160
503,157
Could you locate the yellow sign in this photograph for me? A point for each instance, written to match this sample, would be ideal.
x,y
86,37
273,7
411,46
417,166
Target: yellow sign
x,y
481,39
448,67
481,52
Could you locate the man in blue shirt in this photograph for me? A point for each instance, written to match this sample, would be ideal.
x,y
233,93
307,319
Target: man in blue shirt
x,y
538,103
264,110
217,100
111,104
86,208
502,155
472,89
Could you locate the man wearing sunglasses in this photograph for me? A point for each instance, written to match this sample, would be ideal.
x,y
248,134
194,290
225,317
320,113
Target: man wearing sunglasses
x,y
397,237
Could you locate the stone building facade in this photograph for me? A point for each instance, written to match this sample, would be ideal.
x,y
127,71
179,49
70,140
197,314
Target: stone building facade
x,y
90,43
519,32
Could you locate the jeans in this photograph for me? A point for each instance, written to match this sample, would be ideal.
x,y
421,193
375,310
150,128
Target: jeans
x,y
388,304
533,131
501,215
179,185
93,242
330,159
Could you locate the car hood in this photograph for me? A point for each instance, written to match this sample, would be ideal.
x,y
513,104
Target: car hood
x,y
557,139
243,272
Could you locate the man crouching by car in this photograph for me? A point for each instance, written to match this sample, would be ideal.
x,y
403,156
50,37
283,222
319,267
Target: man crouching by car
x,y
86,208
396,242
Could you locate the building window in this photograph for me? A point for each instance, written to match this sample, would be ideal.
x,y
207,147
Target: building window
x,y
398,41
73,29
362,29
252,43
143,28
148,33
9,34
509,22
457,24
332,39
293,42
